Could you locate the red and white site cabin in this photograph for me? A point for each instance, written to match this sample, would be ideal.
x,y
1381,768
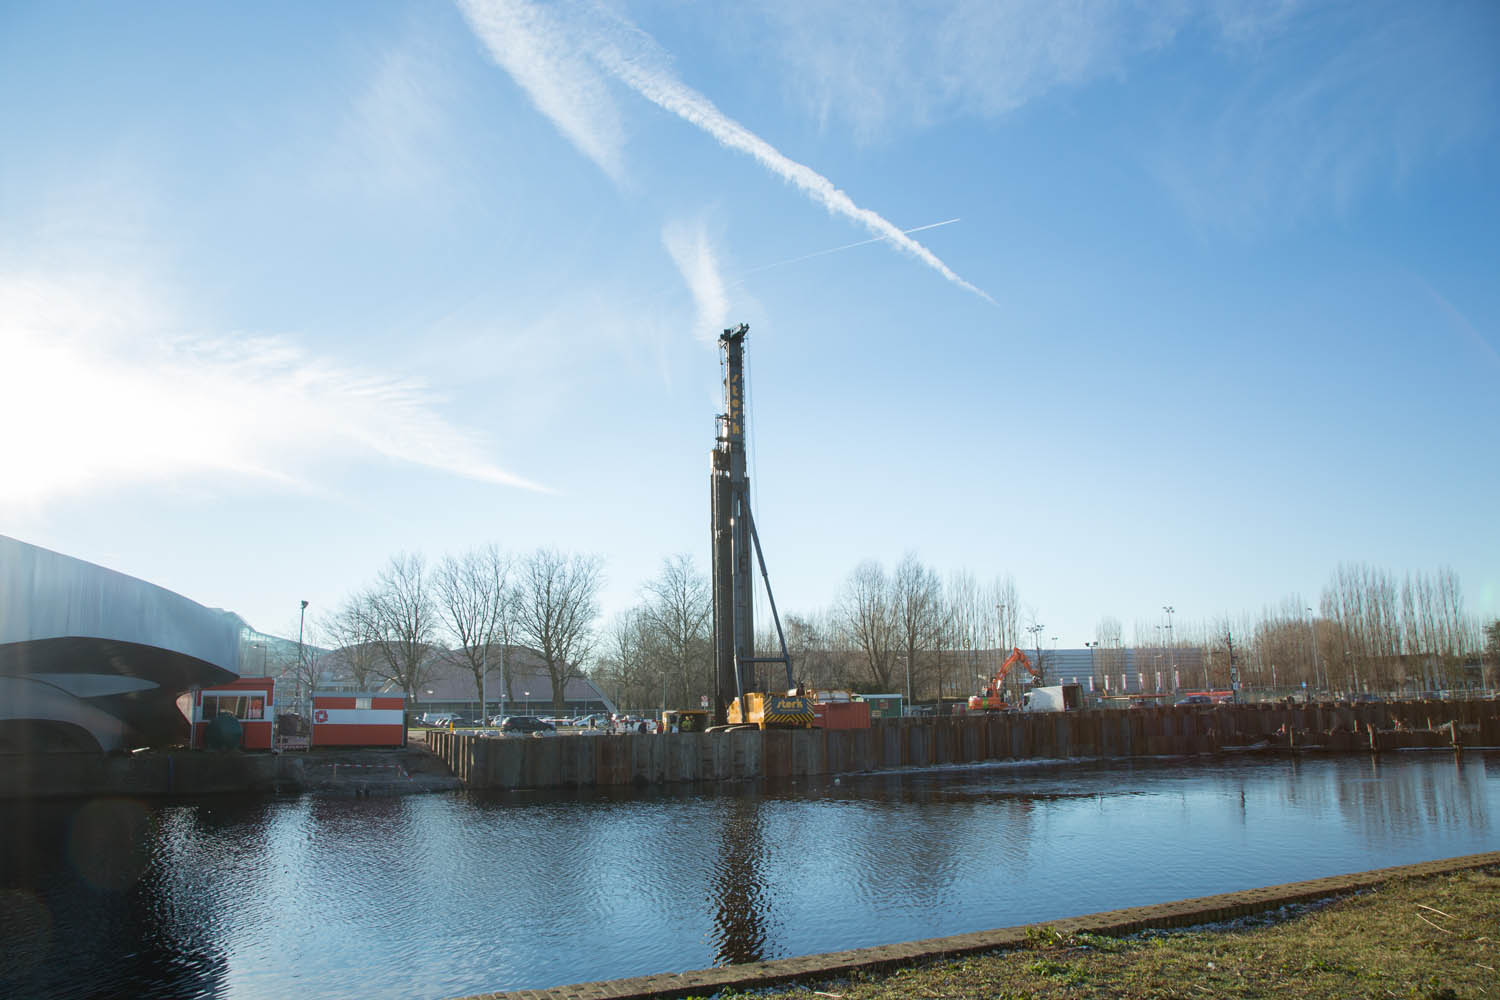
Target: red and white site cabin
x,y
249,699
358,720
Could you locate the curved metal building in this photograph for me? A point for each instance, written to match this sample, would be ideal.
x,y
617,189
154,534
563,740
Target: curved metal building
x,y
92,659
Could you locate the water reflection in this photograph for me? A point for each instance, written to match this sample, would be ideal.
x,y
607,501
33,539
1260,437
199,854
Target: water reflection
x,y
447,895
87,910
739,891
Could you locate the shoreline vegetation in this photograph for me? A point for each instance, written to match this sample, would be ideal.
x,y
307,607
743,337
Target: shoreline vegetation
x,y
1429,938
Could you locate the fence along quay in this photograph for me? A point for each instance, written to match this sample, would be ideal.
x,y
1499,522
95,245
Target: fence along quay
x,y
634,759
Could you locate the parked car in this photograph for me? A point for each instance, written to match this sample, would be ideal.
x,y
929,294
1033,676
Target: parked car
x,y
437,719
525,724
1196,699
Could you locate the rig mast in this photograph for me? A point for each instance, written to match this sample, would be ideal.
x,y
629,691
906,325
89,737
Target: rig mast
x,y
733,531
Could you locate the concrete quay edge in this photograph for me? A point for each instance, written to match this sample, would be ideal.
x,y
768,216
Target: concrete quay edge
x,y
837,964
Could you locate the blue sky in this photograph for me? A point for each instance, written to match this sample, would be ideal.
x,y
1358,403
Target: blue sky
x,y
288,288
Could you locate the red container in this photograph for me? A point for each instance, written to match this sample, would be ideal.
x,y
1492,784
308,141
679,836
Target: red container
x,y
358,720
841,715
252,700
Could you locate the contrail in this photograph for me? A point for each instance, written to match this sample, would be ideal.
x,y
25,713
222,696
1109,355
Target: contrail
x,y
691,106
846,246
541,48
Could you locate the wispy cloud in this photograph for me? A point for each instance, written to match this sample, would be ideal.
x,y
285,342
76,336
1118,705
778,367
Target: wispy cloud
x,y
897,65
1461,323
395,131
535,45
694,255
1299,107
838,249
552,54
1317,118
105,398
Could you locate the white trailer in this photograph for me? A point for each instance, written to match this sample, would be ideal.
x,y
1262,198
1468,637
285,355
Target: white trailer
x,y
1056,698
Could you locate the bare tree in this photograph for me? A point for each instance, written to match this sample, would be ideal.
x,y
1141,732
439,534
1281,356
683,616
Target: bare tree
x,y
965,622
1388,634
679,611
817,659
556,604
401,621
1108,654
294,666
1008,613
917,607
999,616
473,600
623,669
347,630
865,617
1490,652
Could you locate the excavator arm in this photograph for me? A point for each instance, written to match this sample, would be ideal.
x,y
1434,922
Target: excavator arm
x,y
992,698
1016,656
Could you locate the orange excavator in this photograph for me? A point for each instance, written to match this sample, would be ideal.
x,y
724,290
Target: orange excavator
x,y
992,698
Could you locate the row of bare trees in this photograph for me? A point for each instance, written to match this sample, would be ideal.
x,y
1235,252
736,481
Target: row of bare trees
x,y
1371,632
903,630
470,607
660,651
910,631
899,631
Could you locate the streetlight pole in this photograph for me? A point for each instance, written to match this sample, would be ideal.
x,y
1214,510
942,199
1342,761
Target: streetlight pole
x,y
1312,635
1173,646
1161,644
1091,647
504,673
1000,637
906,662
301,661
1036,639
1234,673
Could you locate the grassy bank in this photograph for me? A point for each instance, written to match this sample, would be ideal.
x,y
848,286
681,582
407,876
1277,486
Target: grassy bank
x,y
1435,939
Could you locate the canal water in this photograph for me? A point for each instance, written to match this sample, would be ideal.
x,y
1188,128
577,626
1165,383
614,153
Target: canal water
x,y
441,895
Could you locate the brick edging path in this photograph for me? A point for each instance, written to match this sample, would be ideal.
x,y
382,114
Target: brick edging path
x,y
837,964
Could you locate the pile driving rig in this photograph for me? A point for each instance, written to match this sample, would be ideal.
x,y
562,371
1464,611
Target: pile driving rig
x,y
739,697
